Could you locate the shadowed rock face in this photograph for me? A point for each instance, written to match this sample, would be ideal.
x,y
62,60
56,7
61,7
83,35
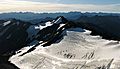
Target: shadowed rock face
x,y
5,64
50,34
106,26
14,36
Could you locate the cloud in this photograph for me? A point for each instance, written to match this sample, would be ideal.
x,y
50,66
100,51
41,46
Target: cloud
x,y
102,2
14,5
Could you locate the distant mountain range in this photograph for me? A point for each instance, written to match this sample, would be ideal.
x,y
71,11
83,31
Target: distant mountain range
x,y
29,16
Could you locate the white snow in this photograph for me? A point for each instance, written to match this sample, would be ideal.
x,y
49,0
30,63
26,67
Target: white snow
x,y
6,23
61,25
78,50
40,27
58,20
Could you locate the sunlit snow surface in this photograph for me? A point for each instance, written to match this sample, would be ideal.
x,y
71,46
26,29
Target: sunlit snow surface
x,y
78,50
46,25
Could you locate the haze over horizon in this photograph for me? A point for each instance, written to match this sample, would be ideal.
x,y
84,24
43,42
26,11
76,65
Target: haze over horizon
x,y
59,5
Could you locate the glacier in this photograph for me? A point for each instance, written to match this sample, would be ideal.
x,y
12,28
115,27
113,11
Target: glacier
x,y
77,50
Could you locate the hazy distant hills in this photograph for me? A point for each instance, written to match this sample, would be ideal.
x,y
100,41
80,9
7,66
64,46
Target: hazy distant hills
x,y
31,16
28,16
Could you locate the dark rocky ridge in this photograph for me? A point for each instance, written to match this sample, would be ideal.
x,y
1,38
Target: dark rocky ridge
x,y
108,27
14,36
50,34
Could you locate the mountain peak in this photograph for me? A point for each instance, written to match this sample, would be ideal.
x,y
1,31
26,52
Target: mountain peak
x,y
60,19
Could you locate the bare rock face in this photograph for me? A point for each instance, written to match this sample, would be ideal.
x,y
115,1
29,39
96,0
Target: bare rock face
x,y
14,35
106,26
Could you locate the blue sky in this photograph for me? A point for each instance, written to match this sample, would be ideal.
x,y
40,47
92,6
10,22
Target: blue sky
x,y
60,5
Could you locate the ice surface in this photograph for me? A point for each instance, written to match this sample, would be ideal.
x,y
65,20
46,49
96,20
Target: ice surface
x,y
77,50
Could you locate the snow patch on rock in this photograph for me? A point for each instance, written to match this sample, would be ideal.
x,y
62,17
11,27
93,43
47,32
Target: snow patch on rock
x,y
6,23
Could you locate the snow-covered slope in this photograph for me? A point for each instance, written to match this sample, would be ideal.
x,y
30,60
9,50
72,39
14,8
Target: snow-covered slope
x,y
77,50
